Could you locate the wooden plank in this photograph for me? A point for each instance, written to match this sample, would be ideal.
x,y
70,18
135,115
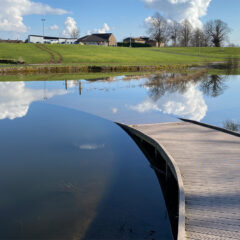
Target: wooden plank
x,y
209,162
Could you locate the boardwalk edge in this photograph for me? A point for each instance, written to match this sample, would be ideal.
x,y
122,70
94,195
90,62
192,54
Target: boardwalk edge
x,y
175,170
211,126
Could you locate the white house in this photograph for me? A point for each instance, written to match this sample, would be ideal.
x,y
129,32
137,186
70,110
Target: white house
x,y
47,39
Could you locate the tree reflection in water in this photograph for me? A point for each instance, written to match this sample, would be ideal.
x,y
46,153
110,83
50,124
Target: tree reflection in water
x,y
231,125
213,85
159,85
210,85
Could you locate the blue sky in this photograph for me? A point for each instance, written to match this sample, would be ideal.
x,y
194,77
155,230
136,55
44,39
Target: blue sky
x,y
123,17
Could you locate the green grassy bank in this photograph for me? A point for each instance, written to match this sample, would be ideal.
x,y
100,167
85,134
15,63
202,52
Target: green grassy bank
x,y
112,56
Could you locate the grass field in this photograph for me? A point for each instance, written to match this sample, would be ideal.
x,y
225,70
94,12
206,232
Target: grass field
x,y
99,55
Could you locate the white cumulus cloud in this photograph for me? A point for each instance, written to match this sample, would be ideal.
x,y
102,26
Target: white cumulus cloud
x,y
54,27
148,20
104,29
15,98
70,25
190,105
179,10
13,11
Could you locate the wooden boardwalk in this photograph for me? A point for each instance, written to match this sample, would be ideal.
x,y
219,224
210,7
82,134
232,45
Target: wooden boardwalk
x,y
209,162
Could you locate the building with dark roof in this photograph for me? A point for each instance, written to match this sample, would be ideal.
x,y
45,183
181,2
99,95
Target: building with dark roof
x,y
134,40
103,39
143,40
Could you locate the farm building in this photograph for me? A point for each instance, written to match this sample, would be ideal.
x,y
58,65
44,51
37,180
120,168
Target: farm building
x,y
134,40
103,39
143,40
47,39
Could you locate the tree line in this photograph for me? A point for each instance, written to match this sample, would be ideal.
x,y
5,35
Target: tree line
x,y
213,33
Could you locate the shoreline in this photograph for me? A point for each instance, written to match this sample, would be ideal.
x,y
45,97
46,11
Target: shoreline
x,y
31,69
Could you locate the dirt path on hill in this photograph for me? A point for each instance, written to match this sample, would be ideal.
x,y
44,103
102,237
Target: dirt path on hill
x,y
55,57
60,57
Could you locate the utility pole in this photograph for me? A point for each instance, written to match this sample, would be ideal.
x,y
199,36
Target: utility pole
x,y
199,46
43,21
130,40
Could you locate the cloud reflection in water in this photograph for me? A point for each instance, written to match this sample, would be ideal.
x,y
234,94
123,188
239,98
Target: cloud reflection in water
x,y
190,104
91,146
15,98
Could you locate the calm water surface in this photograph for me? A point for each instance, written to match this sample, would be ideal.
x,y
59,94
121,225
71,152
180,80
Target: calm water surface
x,y
65,175
212,99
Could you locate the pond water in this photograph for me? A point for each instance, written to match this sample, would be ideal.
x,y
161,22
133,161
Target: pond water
x,y
212,99
65,174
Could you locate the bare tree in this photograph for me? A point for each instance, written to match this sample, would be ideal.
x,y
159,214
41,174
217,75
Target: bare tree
x,y
174,31
186,33
158,29
218,31
206,38
196,37
75,33
199,38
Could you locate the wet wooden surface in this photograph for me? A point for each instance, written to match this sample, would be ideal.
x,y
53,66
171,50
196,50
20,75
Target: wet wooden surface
x,y
209,162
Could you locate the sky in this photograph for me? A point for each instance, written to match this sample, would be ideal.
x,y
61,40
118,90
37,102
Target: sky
x,y
19,18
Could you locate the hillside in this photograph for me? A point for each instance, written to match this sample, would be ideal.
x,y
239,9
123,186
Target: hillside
x,y
98,55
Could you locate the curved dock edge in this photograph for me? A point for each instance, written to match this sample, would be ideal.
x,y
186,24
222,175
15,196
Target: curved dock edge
x,y
175,171
211,126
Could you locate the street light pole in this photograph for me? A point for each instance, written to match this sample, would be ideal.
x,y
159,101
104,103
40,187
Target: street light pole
x,y
130,45
43,21
199,46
